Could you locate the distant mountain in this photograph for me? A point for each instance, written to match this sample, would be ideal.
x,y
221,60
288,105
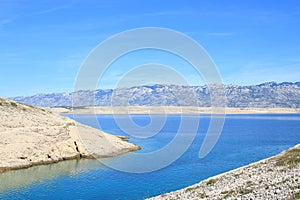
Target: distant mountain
x,y
266,95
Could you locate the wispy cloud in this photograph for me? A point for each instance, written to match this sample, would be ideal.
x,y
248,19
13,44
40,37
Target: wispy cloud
x,y
171,12
147,74
11,58
51,9
72,61
6,21
220,33
264,72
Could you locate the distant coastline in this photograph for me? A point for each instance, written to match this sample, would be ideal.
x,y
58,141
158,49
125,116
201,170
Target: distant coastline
x,y
265,95
170,110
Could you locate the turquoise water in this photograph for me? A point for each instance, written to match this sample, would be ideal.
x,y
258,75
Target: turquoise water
x,y
245,139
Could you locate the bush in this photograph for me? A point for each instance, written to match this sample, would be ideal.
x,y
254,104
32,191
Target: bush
x,y
297,196
211,182
13,104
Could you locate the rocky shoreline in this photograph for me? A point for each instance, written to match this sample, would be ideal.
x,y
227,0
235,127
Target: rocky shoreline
x,y
277,177
34,136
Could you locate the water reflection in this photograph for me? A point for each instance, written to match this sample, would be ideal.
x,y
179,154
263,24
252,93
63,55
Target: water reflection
x,y
19,178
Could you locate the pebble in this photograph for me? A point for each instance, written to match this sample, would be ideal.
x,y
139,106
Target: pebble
x,y
261,180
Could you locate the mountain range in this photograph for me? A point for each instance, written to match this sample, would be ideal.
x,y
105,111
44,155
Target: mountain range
x,y
265,95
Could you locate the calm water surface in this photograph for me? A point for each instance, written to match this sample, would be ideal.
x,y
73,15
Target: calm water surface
x,y
245,139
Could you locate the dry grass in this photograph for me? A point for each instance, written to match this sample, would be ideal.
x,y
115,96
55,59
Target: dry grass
x,y
290,158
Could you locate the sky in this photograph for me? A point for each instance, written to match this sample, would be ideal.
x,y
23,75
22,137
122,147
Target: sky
x,y
44,43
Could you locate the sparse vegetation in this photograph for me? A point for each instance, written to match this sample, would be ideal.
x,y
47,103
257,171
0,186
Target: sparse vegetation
x,y
26,105
190,190
211,182
250,183
228,193
290,158
70,124
202,195
296,187
244,191
283,184
237,175
13,104
297,196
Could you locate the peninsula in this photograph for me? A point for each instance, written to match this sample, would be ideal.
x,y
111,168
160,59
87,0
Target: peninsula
x,y
33,136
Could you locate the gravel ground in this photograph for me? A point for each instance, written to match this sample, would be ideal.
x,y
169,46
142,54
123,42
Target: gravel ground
x,y
277,177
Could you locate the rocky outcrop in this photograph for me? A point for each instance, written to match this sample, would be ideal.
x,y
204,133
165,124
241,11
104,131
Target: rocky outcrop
x,y
32,136
266,95
277,177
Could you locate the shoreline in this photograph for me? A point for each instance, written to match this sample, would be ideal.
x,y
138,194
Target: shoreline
x,y
117,145
270,178
169,110
76,157
32,136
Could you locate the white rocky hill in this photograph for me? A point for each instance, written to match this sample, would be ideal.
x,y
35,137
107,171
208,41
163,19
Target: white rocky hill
x,y
266,95
32,136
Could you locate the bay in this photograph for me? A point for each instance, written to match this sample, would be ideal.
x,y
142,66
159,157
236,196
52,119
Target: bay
x,y
244,139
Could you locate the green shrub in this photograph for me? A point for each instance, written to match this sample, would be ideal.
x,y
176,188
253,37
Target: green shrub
x,y
245,191
228,193
297,196
211,182
13,104
189,189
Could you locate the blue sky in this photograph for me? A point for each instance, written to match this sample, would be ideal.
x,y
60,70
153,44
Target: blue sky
x,y
43,43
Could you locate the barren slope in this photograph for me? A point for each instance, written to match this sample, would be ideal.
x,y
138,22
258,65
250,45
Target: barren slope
x,y
31,136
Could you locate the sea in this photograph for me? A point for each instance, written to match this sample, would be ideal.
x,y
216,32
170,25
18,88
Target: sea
x,y
245,138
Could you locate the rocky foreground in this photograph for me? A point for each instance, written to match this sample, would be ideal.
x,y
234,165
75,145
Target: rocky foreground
x,y
32,136
277,177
